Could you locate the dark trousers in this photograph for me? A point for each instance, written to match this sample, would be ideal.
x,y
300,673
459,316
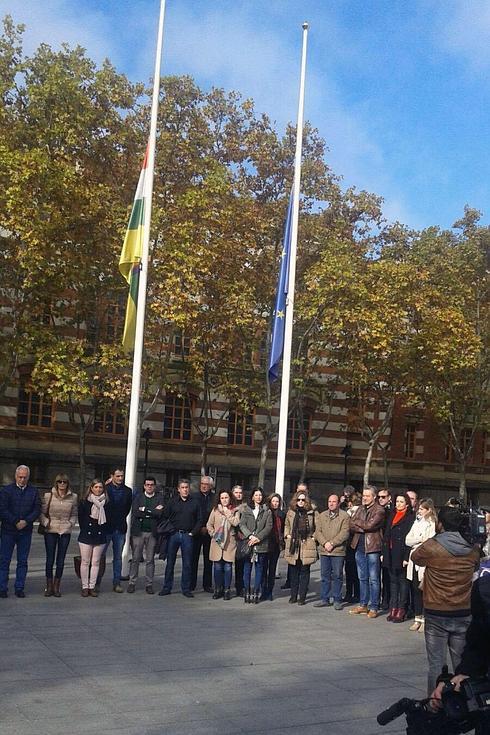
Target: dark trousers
x,y
269,579
8,542
117,538
56,546
300,579
184,542
202,541
418,602
385,581
351,578
223,571
398,588
259,572
239,576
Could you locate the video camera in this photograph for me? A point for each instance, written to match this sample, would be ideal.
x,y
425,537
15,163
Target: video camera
x,y
461,711
473,527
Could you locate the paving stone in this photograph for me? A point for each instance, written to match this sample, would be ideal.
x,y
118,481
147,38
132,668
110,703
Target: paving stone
x,y
143,665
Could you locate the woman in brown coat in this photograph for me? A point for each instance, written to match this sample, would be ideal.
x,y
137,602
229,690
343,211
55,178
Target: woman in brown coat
x,y
300,552
58,517
221,527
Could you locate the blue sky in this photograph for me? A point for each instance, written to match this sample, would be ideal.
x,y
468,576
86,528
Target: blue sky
x,y
399,89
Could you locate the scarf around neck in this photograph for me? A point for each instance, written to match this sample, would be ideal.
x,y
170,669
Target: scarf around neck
x,y
300,530
97,512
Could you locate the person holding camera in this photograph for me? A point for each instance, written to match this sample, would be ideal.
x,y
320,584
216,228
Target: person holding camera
x,y
450,562
475,658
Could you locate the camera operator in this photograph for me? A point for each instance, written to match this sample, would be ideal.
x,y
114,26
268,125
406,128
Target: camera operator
x,y
450,562
475,660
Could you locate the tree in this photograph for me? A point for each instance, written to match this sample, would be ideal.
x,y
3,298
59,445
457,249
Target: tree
x,y
64,198
452,342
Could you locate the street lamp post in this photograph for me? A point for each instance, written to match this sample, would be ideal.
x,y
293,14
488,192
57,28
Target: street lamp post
x,y
146,437
346,453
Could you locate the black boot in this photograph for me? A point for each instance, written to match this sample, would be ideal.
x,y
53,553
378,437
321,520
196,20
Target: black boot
x,y
218,592
247,596
227,594
256,598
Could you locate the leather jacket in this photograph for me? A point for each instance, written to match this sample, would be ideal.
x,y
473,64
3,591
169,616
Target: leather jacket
x,y
370,522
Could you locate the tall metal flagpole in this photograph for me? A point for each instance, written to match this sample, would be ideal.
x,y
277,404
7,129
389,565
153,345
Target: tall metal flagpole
x,y
134,406
288,328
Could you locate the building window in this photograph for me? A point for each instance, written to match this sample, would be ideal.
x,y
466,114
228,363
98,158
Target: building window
x,y
182,345
410,432
297,432
465,438
240,429
485,445
110,420
177,420
34,409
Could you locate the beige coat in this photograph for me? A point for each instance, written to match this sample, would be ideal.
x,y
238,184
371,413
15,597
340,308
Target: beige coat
x,y
335,530
307,552
62,512
227,552
422,530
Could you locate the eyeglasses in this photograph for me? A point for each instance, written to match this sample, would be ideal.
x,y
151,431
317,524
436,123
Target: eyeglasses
x,y
301,500
383,497
61,482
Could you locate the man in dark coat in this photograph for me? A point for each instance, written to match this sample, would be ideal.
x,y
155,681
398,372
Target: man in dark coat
x,y
117,510
20,506
184,515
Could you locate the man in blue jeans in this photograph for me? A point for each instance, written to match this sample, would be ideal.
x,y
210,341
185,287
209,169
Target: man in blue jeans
x,y
367,526
20,506
184,514
332,534
117,511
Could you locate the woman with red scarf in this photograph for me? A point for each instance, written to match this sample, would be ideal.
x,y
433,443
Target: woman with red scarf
x,y
395,556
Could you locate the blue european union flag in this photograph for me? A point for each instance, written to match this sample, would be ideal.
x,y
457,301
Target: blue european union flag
x,y
279,316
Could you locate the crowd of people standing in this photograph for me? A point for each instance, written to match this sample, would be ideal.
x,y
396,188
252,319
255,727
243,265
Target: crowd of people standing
x,y
378,551
363,536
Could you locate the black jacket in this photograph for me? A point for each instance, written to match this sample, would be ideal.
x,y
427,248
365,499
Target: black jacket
x,y
184,515
475,660
90,531
118,507
206,502
395,551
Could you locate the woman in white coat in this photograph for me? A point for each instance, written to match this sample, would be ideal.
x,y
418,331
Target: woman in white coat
x,y
423,528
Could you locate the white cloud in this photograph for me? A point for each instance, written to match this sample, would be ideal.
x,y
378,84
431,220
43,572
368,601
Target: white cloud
x,y
232,50
463,28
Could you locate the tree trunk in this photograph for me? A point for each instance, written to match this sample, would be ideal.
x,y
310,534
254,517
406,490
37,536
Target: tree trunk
x,y
462,481
385,470
264,449
83,457
367,464
306,457
204,457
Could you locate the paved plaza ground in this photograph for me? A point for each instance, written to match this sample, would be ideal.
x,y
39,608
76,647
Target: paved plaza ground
x,y
142,665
